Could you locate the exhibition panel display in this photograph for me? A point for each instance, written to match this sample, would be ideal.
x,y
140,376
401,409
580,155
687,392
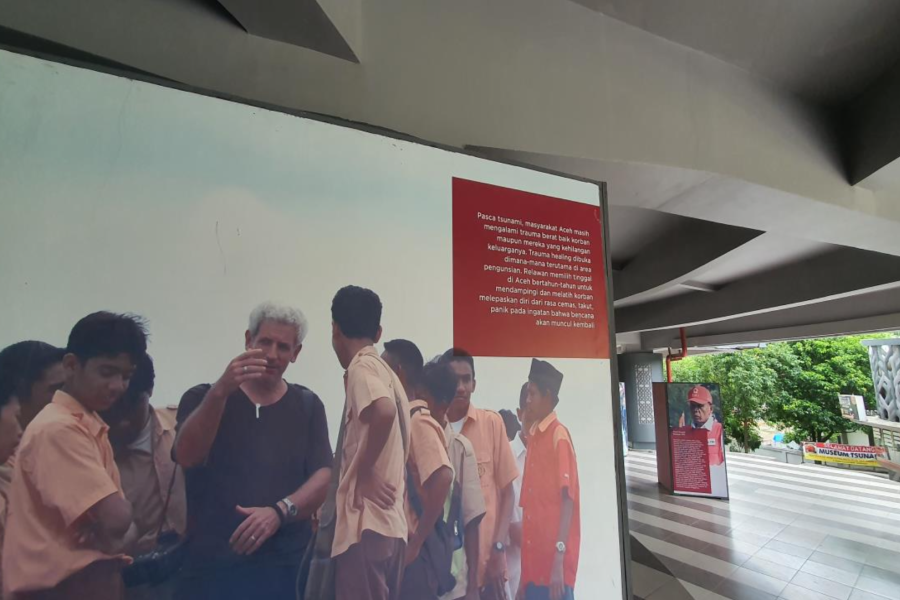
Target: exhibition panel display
x,y
189,210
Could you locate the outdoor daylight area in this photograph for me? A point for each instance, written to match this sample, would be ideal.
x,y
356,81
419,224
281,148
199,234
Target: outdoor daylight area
x,y
813,506
450,300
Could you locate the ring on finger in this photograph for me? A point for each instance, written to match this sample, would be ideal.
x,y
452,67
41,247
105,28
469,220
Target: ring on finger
x,y
245,368
253,538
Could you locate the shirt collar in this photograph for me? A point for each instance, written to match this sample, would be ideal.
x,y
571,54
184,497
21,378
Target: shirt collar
x,y
161,425
548,420
88,418
708,425
366,351
417,404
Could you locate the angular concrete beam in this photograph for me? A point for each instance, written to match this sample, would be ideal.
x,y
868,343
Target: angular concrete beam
x,y
677,257
298,22
887,322
863,313
731,201
872,127
839,273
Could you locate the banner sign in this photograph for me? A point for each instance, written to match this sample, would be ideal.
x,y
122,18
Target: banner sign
x,y
862,456
696,439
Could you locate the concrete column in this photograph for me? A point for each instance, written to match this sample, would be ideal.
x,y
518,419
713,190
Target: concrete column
x,y
638,371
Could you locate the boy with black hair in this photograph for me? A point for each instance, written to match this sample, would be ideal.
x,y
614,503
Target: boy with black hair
x,y
496,468
142,438
438,389
10,428
36,368
434,386
370,532
429,479
10,434
405,358
551,530
69,522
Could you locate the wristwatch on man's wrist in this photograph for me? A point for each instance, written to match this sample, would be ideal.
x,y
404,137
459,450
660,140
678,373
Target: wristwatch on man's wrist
x,y
499,547
561,547
291,508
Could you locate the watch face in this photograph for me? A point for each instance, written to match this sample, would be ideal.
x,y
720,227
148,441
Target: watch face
x,y
291,508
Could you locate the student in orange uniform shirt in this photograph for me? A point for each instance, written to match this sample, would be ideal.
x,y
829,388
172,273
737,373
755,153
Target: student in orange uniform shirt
x,y
496,469
370,534
10,433
551,531
429,475
70,526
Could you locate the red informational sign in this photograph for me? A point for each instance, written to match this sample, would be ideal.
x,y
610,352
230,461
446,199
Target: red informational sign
x,y
690,461
528,274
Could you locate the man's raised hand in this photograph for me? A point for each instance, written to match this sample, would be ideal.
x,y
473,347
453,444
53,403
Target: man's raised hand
x,y
246,366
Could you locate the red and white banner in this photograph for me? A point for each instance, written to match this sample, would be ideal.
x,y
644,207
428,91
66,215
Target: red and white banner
x,y
863,456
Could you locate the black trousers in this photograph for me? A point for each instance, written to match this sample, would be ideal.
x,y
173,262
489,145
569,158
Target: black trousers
x,y
418,584
257,582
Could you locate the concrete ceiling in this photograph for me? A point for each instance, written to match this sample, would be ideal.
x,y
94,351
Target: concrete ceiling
x,y
760,266
758,256
751,147
826,51
300,22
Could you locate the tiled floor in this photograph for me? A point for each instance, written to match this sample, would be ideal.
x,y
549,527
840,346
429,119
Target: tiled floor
x,y
792,532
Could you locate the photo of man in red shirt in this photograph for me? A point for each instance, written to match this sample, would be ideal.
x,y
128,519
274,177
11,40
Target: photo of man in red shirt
x,y
700,418
551,529
700,402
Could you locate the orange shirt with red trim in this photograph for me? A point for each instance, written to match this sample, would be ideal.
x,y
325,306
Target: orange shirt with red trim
x,y
550,471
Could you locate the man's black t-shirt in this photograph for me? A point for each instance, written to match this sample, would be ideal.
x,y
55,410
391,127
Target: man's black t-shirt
x,y
254,461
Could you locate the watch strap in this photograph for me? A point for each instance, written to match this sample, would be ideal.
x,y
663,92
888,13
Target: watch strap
x,y
281,516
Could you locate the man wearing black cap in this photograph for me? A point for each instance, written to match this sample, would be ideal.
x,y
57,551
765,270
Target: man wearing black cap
x,y
550,495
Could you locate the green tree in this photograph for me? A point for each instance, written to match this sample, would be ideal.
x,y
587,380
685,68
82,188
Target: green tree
x,y
810,385
750,384
794,385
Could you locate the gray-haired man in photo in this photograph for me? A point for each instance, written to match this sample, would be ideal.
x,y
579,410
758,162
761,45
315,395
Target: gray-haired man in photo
x,y
257,461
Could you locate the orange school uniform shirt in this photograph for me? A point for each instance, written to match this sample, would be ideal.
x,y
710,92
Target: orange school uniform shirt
x,y
427,454
64,466
369,378
496,470
550,468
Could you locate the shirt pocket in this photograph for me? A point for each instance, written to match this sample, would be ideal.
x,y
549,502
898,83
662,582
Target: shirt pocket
x,y
485,470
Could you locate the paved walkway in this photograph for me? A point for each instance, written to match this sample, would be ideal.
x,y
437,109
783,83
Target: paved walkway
x,y
797,532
